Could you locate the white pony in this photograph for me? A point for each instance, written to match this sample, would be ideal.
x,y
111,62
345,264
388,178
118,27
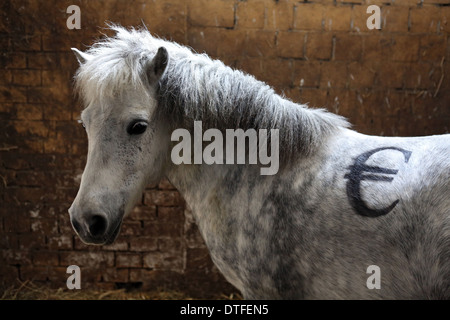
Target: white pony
x,y
341,202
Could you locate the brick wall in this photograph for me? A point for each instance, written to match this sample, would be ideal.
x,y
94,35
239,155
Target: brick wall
x,y
393,81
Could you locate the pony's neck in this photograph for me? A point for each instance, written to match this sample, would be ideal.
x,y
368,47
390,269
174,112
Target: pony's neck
x,y
196,88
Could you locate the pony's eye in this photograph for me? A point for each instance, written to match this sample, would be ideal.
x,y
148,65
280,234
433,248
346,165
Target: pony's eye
x,y
137,127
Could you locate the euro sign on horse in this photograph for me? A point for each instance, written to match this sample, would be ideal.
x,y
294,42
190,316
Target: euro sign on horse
x,y
339,201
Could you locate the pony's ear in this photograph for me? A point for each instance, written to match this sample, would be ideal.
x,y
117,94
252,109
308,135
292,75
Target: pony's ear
x,y
156,67
81,56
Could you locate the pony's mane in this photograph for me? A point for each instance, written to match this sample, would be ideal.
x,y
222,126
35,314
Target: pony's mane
x,y
195,87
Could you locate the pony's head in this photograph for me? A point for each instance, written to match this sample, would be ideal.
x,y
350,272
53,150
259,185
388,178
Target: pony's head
x,y
126,134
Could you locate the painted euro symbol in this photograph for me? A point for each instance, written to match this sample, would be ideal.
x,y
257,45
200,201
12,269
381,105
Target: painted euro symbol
x,y
360,171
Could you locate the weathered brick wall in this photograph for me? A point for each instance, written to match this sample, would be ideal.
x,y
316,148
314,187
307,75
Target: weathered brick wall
x,y
393,81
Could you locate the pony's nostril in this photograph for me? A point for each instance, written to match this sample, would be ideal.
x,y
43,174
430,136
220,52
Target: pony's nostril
x,y
97,225
76,225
